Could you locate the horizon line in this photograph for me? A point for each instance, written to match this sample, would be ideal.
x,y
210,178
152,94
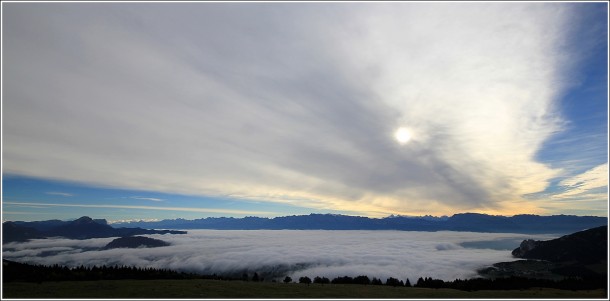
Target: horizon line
x,y
313,213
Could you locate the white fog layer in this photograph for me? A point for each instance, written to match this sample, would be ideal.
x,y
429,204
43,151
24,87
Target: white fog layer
x,y
295,253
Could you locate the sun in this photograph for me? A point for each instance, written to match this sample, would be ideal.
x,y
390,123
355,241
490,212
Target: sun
x,y
402,135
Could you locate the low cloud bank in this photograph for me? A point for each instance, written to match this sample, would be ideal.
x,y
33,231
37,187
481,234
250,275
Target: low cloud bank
x,y
276,254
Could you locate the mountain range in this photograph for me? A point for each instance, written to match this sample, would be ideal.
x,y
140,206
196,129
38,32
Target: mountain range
x,y
474,222
82,228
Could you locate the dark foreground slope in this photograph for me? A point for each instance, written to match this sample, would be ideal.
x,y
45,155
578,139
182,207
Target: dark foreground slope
x,y
199,289
15,272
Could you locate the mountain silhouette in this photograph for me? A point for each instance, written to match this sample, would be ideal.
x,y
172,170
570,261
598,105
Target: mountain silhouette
x,y
581,255
135,242
81,228
557,224
14,232
587,246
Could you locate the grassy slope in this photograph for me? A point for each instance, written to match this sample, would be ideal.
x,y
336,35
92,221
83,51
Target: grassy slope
x,y
238,289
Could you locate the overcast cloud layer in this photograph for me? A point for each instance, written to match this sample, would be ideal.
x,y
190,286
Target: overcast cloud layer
x,y
290,102
380,254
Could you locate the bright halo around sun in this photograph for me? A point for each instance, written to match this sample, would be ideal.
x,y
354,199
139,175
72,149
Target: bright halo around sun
x,y
402,135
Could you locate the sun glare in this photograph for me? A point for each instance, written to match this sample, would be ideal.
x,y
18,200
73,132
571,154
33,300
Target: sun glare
x,y
402,135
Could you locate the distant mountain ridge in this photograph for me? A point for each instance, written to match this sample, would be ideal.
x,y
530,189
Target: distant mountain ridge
x,y
82,228
473,222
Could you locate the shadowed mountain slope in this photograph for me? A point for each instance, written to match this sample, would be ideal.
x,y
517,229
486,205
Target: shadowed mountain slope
x,y
587,246
82,228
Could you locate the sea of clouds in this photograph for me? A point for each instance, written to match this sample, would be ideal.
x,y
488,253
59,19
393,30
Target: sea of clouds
x,y
275,254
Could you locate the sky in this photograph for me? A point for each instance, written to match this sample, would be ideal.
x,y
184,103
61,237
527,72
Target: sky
x,y
294,253
145,111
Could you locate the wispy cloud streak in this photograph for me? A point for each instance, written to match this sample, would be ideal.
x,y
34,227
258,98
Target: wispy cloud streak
x,y
60,193
187,209
146,198
594,178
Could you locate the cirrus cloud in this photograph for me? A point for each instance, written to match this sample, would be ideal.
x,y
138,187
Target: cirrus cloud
x,y
292,101
60,193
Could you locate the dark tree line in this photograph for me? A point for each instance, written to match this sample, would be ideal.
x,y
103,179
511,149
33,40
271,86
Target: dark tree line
x,y
515,283
14,271
509,283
